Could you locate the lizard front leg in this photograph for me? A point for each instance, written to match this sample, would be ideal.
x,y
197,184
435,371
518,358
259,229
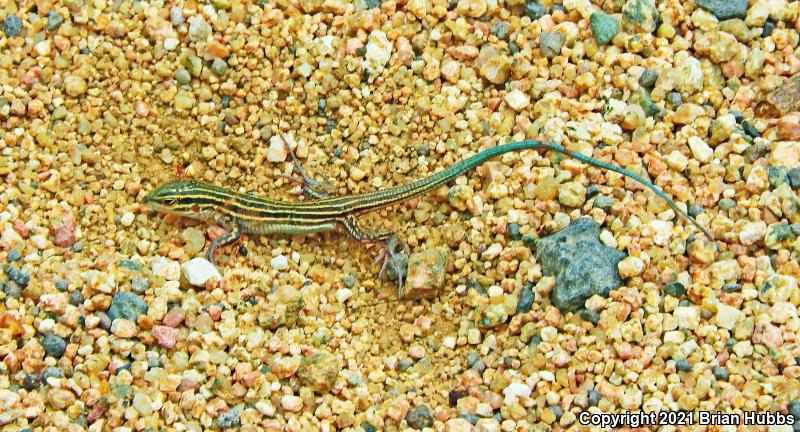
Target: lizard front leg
x,y
234,233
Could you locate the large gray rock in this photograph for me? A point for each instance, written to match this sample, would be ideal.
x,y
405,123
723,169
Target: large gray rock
x,y
724,9
581,264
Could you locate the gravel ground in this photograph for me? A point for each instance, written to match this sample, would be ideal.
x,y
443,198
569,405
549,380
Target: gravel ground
x,y
111,319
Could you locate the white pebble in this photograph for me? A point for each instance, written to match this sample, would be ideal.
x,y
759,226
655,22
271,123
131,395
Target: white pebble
x,y
688,317
344,294
517,100
266,408
291,403
495,291
46,325
279,263
677,160
278,151
700,150
379,51
727,316
547,376
753,232
517,389
126,219
166,268
630,266
40,241
198,271
171,43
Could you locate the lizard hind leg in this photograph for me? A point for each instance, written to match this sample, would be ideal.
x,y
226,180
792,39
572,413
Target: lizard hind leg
x,y
390,255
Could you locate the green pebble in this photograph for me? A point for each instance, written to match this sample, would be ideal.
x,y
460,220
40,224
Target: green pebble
x,y
726,204
777,176
219,67
674,100
194,65
648,78
675,289
183,76
604,27
589,316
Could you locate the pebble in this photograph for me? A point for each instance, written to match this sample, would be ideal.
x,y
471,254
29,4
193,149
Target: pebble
x,y
280,263
727,316
343,294
700,149
794,177
535,10
630,266
604,27
517,390
526,299
171,43
12,26
752,232
720,373
639,16
229,419
675,289
198,271
126,305
13,255
291,403
12,289
199,30
126,219
596,274
427,271
54,345
167,337
378,51
517,100
123,328
219,67
278,151
550,44
419,417
725,9
75,86
54,20
176,15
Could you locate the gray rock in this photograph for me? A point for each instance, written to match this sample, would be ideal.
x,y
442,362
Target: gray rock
x,y
724,9
526,298
535,10
54,345
419,417
581,264
11,289
550,44
126,305
54,20
230,418
12,26
794,178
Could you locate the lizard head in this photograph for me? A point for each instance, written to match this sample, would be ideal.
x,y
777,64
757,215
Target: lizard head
x,y
179,197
